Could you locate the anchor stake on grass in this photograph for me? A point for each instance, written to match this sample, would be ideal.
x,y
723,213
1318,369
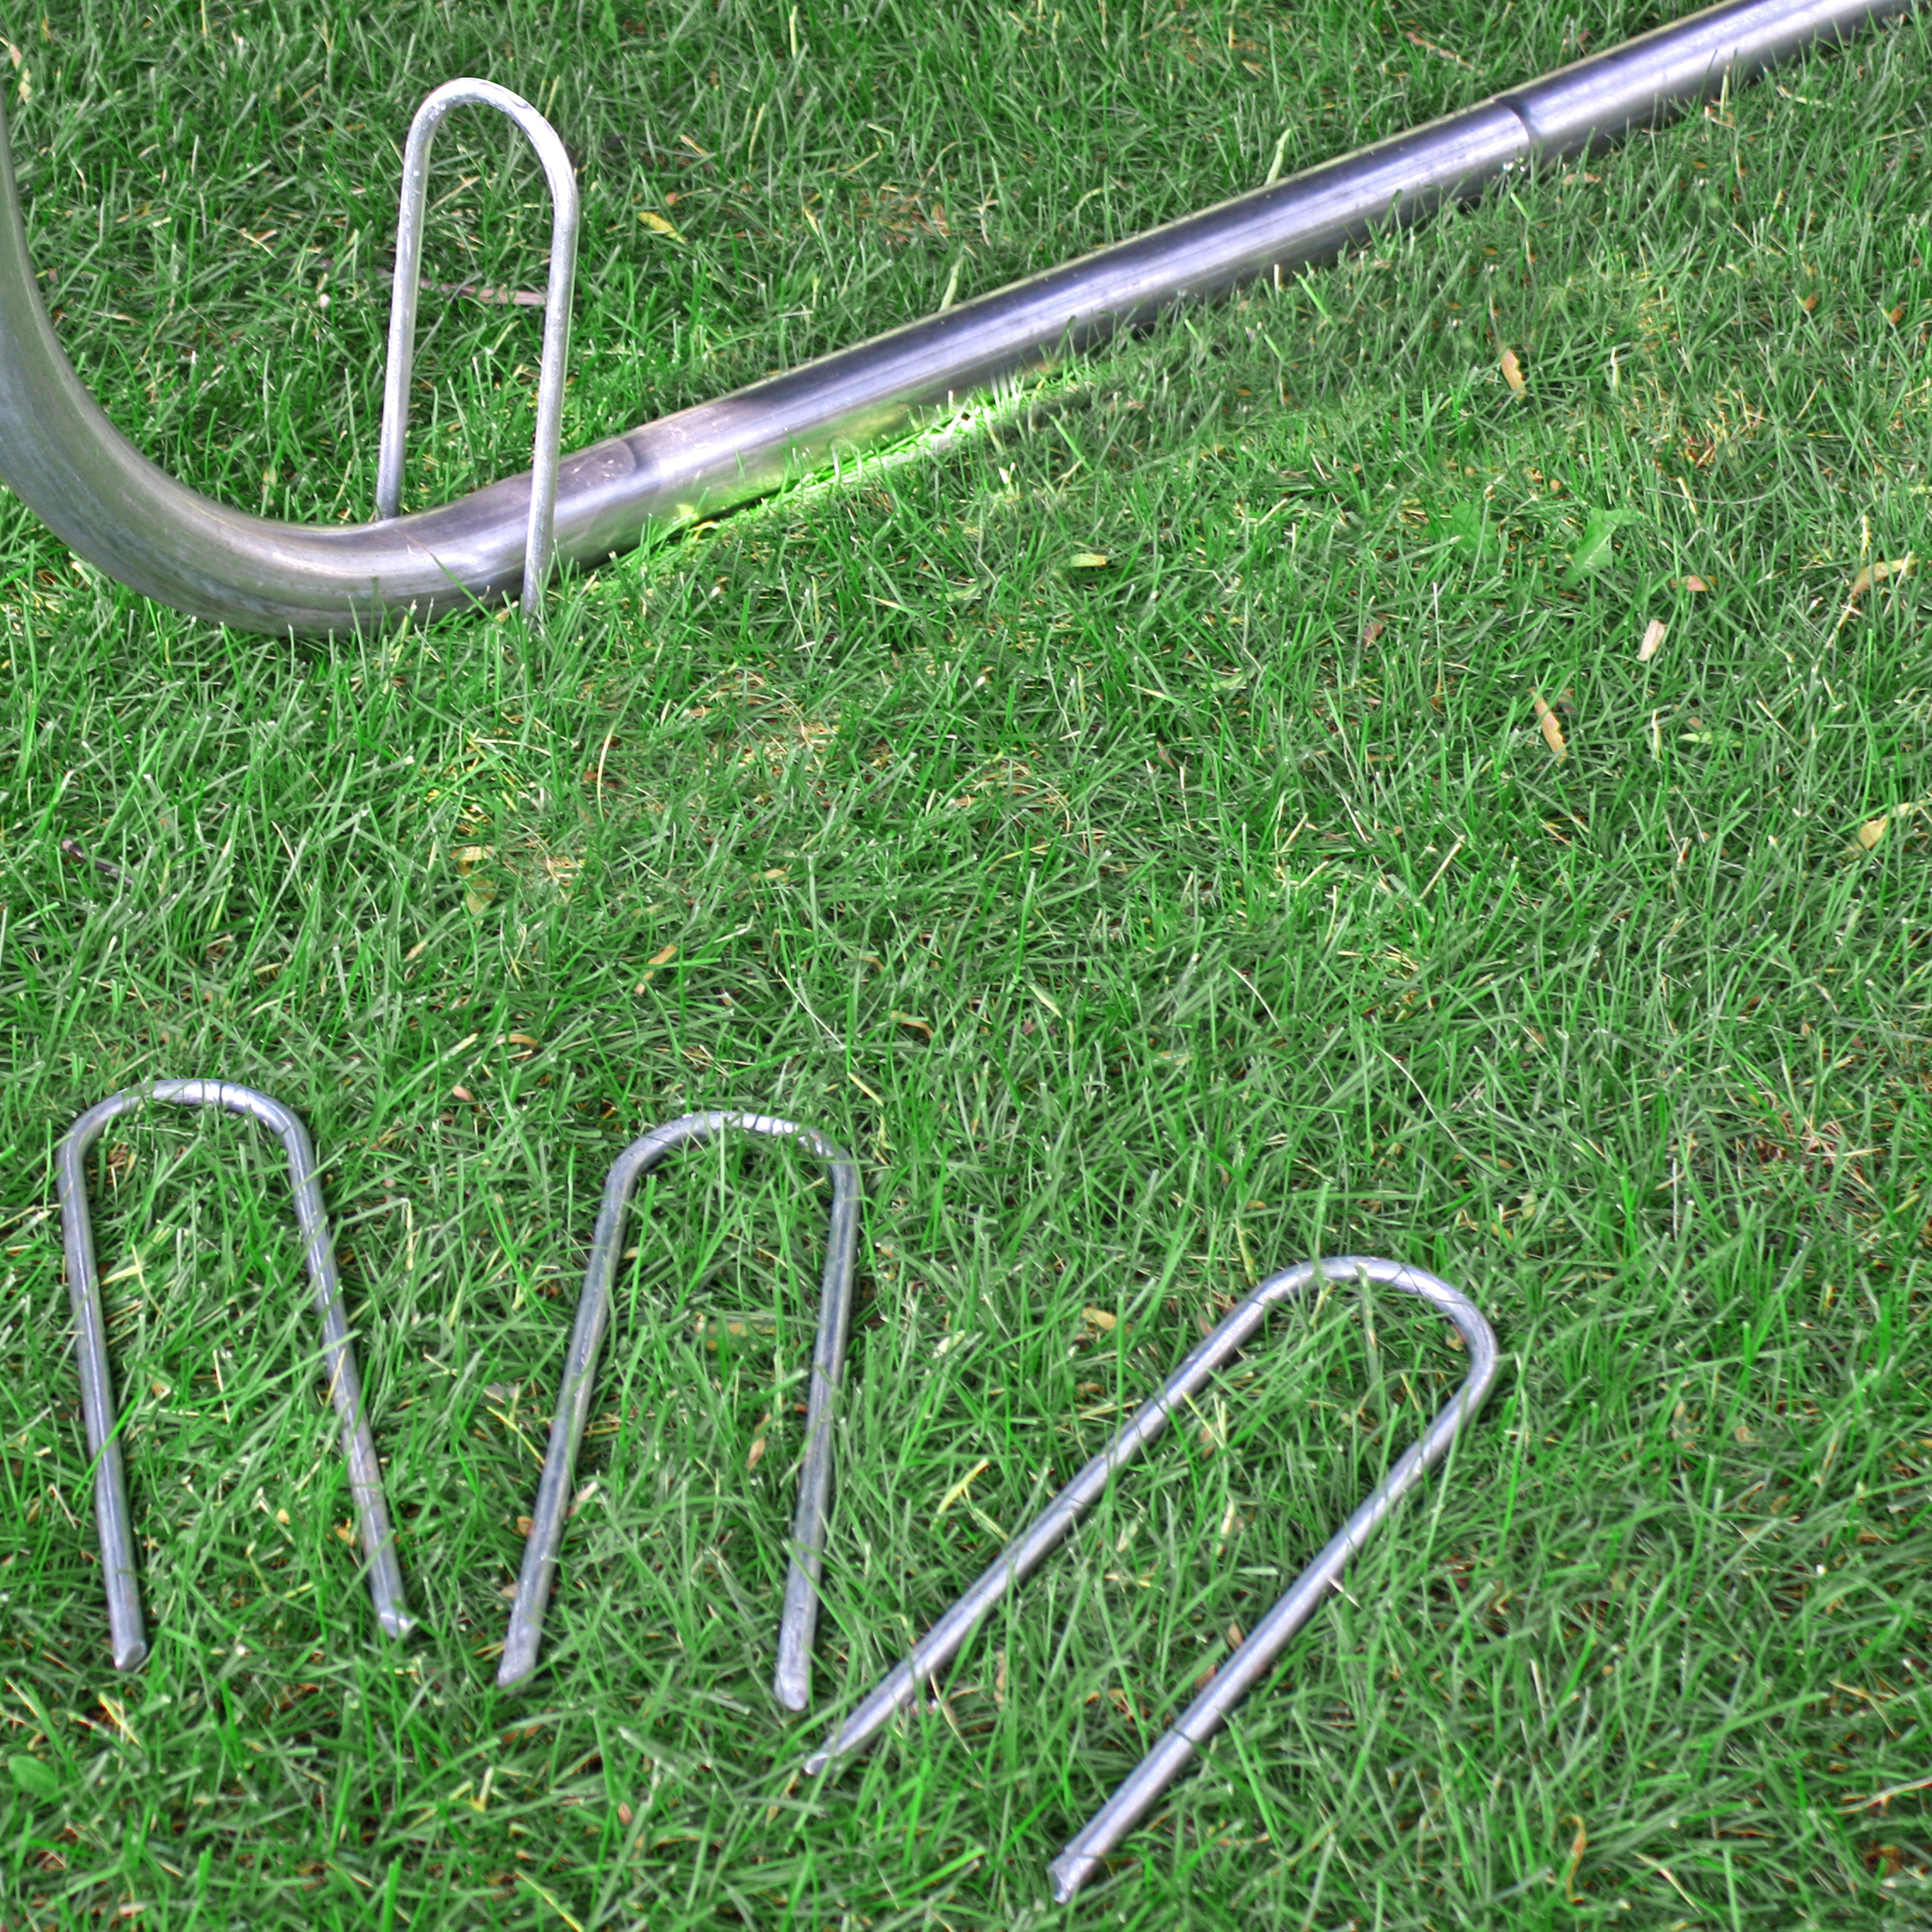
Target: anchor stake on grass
x,y
125,1622
1138,1791
792,1683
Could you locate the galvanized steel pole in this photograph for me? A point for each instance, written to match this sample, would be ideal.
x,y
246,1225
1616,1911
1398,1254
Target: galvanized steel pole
x,y
100,496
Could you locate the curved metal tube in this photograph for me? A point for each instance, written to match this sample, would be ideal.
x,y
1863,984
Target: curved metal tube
x,y
792,1683
124,1620
562,179
1251,1661
99,495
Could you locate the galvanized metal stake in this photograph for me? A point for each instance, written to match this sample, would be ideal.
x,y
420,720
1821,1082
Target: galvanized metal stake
x,y
792,1684
1250,1663
125,1623
538,540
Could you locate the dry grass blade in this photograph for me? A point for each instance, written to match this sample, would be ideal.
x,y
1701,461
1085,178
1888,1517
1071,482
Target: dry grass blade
x,y
1653,634
1512,373
1880,1800
1579,1845
964,1483
1869,577
1448,860
1430,47
1877,573
1551,726
479,291
663,955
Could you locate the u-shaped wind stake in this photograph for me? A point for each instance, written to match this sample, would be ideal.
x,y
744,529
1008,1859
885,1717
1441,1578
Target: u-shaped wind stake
x,y
562,178
97,1392
792,1683
1138,1790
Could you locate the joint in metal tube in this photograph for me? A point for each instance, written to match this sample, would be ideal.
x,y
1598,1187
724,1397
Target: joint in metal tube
x,y
1591,105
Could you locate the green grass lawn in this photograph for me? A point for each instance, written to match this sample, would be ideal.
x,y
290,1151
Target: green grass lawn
x,y
1142,927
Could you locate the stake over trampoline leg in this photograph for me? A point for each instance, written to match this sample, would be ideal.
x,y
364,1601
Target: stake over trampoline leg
x,y
67,463
537,538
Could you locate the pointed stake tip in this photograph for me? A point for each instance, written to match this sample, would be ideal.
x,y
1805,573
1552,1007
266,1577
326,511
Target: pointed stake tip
x,y
1069,1874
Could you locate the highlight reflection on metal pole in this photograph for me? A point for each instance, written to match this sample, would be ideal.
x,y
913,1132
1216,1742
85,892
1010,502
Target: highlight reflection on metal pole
x,y
1251,1661
562,179
792,1682
110,1490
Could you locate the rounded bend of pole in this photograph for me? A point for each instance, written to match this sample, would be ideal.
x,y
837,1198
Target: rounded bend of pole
x,y
126,1623
564,221
523,1643
100,495
943,1642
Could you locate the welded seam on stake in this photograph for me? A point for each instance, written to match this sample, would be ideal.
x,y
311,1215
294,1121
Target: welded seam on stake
x,y
126,1625
1139,1790
792,1681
